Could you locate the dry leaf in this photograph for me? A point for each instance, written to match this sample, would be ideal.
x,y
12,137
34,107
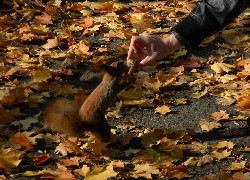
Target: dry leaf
x,y
40,159
10,158
221,115
163,110
222,67
244,102
20,139
221,154
44,19
209,126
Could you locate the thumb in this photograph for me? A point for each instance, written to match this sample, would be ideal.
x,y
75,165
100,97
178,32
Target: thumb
x,y
145,61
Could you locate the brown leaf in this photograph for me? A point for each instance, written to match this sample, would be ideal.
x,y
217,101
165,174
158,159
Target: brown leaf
x,y
44,19
52,43
87,22
163,110
204,160
244,102
37,160
20,139
221,115
10,158
221,154
208,126
236,166
6,116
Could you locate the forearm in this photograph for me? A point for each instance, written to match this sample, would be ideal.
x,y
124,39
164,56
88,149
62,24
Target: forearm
x,y
208,18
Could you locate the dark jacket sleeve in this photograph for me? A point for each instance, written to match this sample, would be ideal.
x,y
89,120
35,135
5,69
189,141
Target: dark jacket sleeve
x,y
208,18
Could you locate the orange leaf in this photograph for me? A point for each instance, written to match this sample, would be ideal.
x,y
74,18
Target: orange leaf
x,y
88,22
244,102
20,139
37,160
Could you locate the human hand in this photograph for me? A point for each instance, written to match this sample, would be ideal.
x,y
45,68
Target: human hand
x,y
156,48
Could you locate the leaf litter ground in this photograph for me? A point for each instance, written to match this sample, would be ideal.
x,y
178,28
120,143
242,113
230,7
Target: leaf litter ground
x,y
183,118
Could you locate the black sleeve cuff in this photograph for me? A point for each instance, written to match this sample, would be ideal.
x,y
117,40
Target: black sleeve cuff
x,y
189,32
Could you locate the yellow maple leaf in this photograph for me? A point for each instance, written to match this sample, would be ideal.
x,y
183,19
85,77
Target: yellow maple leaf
x,y
221,154
142,20
52,43
221,115
10,158
82,48
208,126
42,75
222,67
163,110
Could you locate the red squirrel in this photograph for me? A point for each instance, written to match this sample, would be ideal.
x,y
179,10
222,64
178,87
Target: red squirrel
x,y
71,118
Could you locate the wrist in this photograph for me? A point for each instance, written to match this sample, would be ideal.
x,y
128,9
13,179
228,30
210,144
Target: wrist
x,y
172,43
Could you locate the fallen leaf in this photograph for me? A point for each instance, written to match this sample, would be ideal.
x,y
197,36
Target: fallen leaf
x,y
40,159
106,174
52,43
44,19
221,115
10,158
222,67
244,102
221,154
236,166
20,139
208,126
163,110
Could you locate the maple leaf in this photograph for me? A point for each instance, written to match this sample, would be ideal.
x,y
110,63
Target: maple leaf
x,y
10,158
163,110
218,116
234,36
221,154
144,170
82,48
87,22
222,67
244,102
224,144
44,19
40,159
142,20
52,43
227,78
178,172
26,123
241,175
67,146
208,126
96,144
84,170
73,161
42,75
115,111
226,101
235,166
205,159
101,174
20,139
